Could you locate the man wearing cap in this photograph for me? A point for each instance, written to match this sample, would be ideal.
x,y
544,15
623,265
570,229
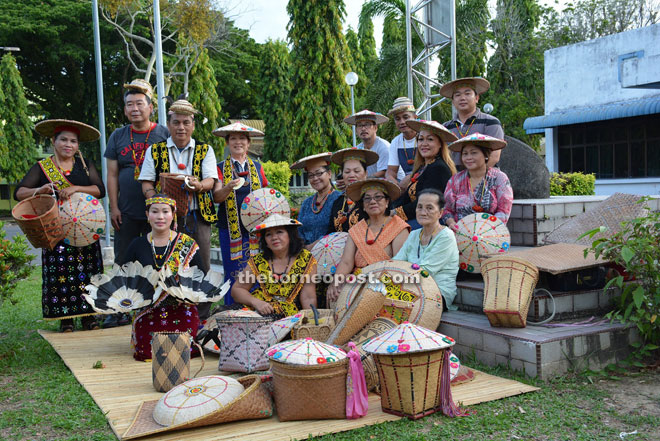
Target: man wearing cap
x,y
464,94
182,154
124,156
366,125
404,145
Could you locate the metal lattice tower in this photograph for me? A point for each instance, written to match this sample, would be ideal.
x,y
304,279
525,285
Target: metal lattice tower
x,y
437,30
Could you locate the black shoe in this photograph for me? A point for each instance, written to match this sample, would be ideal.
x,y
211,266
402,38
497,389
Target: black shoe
x,y
111,321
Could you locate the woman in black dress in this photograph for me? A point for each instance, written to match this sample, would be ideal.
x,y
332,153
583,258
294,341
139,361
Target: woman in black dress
x,y
66,269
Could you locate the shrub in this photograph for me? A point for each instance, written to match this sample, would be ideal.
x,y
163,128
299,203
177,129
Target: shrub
x,y
14,264
637,249
278,175
572,184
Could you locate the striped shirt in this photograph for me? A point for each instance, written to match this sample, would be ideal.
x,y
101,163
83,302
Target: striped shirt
x,y
478,123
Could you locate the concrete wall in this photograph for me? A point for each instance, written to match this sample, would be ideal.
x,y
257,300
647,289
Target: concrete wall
x,y
587,73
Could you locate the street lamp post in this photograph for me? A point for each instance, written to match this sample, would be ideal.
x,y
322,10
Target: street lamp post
x,y
351,79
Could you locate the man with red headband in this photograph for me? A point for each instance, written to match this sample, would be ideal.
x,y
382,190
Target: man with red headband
x,y
124,156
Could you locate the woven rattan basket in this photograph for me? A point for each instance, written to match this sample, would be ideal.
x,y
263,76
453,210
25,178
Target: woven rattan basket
x,y
310,392
39,218
509,284
410,383
362,311
244,341
308,327
174,185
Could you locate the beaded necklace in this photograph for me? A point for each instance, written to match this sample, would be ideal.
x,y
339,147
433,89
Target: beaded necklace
x,y
278,276
153,249
468,129
410,161
316,203
419,244
366,235
476,207
138,161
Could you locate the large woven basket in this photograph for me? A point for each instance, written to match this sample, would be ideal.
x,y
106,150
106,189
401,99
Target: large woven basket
x,y
39,218
362,311
244,341
307,327
310,392
410,383
509,284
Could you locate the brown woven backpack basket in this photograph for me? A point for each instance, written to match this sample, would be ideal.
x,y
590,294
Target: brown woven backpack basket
x,y
509,284
317,328
39,218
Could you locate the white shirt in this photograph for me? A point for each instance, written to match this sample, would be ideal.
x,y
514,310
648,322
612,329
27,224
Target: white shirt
x,y
398,143
184,156
381,147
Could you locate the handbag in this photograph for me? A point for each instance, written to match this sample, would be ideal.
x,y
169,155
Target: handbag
x,y
170,354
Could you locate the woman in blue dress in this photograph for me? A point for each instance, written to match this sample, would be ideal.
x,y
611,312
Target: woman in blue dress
x,y
316,209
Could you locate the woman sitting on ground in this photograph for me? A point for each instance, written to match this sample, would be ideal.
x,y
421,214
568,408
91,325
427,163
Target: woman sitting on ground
x,y
163,246
478,188
282,271
433,247
372,240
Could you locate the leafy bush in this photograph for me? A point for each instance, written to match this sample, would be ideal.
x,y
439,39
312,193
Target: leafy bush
x,y
14,264
572,184
637,249
278,175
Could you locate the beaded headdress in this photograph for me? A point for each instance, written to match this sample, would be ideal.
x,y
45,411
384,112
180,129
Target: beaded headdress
x,y
163,200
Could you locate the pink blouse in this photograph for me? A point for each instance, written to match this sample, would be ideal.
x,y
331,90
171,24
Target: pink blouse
x,y
494,194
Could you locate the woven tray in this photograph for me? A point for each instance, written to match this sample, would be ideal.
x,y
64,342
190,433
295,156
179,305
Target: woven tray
x,y
558,258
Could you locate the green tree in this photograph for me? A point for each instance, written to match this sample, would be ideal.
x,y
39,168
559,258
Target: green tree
x,y
17,149
367,44
56,61
236,69
320,95
515,70
356,64
203,95
274,92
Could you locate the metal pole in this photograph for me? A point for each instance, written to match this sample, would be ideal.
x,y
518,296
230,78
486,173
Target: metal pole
x,y
353,113
101,107
452,12
160,75
409,49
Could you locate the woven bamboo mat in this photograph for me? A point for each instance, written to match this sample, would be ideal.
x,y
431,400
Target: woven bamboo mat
x,y
558,258
120,387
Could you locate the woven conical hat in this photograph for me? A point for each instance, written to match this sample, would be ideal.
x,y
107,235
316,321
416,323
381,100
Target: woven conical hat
x,y
479,236
407,338
260,204
305,352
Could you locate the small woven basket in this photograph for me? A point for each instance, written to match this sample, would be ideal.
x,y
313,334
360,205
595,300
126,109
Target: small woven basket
x,y
308,326
509,284
310,392
410,383
174,185
39,218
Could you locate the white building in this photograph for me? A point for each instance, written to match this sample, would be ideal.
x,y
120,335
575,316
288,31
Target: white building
x,y
602,111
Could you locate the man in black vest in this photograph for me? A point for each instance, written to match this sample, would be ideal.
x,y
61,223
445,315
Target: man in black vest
x,y
181,154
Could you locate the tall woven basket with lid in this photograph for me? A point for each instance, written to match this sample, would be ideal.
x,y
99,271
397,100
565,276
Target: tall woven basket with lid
x,y
413,369
509,284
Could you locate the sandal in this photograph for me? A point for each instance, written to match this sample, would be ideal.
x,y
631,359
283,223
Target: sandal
x,y
66,325
89,323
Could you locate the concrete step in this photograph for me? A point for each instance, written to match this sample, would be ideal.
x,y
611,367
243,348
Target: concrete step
x,y
568,304
539,351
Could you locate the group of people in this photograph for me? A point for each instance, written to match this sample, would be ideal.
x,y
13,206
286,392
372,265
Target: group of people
x,y
396,201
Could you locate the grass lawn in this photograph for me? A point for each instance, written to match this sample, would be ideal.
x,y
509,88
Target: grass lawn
x,y
41,400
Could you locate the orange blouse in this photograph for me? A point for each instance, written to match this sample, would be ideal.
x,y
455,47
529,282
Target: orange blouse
x,y
369,254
